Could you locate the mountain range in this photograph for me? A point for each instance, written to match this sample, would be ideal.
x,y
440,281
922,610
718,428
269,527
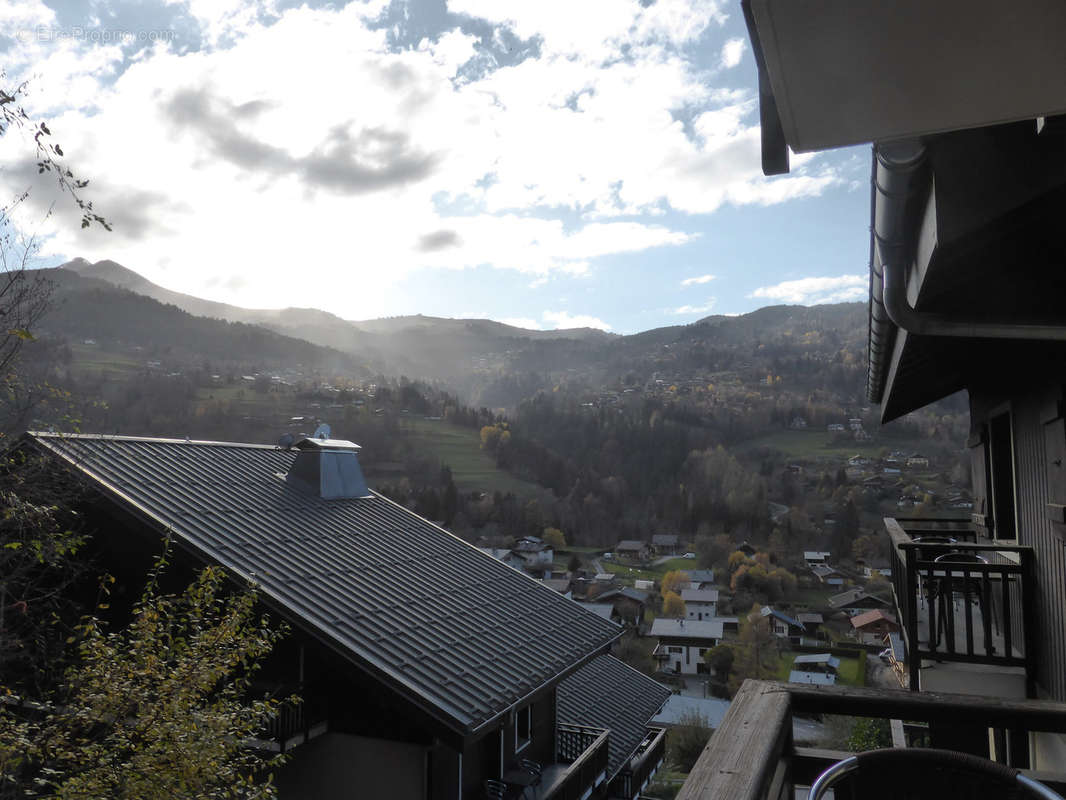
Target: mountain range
x,y
487,362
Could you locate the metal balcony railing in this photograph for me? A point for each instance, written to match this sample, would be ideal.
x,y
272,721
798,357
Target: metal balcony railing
x,y
962,600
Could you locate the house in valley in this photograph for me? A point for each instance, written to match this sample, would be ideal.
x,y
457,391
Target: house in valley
x,y
682,644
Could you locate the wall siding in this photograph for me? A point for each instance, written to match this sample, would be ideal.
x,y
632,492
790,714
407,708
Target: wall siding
x,y
1035,529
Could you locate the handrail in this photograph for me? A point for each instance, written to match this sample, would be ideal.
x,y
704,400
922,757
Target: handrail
x,y
750,757
925,592
582,772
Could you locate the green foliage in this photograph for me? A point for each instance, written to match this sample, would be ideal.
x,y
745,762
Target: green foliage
x,y
868,733
156,709
39,546
720,659
686,740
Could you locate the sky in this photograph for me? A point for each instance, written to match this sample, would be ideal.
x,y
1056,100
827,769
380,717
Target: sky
x,y
545,163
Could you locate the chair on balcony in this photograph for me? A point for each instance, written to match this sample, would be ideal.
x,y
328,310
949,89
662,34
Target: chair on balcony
x,y
969,590
918,774
495,790
935,546
534,769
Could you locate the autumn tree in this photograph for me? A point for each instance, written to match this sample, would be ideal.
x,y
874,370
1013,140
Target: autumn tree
x,y
755,650
555,537
673,605
157,709
672,581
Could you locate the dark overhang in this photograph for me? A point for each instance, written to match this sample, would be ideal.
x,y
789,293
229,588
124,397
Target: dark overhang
x,y
838,72
966,257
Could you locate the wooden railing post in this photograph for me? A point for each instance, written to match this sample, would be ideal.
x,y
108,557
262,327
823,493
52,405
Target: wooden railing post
x,y
747,758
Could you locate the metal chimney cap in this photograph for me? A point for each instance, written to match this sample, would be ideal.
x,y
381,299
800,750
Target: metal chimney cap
x,y
327,444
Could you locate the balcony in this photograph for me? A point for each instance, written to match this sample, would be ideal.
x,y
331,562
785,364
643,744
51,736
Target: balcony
x,y
966,608
644,763
751,756
580,768
296,722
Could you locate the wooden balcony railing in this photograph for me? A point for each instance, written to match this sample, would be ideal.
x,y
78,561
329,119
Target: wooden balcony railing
x,y
583,752
751,755
962,600
636,775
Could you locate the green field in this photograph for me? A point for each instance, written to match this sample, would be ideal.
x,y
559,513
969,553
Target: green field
x,y
91,359
813,445
460,448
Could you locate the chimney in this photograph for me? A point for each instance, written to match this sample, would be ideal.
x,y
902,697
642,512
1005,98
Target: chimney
x,y
328,468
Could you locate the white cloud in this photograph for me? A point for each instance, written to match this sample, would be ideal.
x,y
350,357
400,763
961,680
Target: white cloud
x,y
564,319
223,169
732,52
702,309
815,291
698,280
521,322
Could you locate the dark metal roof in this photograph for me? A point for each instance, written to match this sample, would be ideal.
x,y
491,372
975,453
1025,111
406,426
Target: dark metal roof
x,y
606,693
459,632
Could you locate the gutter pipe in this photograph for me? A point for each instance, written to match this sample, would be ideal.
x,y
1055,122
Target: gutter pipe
x,y
896,166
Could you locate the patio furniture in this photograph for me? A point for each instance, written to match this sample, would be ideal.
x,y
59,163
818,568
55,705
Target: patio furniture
x,y
969,589
928,774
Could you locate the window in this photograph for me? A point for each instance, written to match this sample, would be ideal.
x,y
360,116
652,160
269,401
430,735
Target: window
x,y
1000,476
523,728
675,650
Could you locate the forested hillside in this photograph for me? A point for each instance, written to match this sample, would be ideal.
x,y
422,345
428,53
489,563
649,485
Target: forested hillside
x,y
732,425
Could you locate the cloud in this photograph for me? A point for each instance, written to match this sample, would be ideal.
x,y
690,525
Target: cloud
x,y
275,135
521,322
437,240
698,280
703,309
732,52
564,319
815,291
372,159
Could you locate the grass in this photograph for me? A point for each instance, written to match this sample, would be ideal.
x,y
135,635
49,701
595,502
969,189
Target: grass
x,y
460,448
633,573
814,597
811,445
91,359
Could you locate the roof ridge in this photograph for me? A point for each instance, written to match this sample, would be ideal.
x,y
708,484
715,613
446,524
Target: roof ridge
x,y
115,437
